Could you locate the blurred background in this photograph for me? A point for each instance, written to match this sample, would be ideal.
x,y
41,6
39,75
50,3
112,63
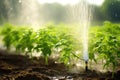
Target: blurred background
x,y
39,12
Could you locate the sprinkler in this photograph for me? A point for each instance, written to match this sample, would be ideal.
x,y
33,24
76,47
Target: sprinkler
x,y
86,58
86,65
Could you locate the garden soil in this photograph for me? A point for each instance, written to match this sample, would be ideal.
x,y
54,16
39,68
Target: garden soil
x,y
18,67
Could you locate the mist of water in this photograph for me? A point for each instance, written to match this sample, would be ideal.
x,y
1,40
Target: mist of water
x,y
81,14
85,23
24,12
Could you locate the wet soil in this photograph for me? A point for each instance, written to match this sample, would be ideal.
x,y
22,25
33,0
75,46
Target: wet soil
x,y
18,67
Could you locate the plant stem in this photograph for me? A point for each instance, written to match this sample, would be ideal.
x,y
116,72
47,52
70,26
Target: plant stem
x,y
46,60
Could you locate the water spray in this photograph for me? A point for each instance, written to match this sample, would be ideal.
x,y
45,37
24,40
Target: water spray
x,y
81,13
85,23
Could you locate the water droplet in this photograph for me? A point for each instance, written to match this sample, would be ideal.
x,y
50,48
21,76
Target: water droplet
x,y
116,15
112,3
20,1
54,78
69,78
11,8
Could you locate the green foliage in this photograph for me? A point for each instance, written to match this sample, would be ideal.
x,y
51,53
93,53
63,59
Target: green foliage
x,y
111,10
43,41
55,37
105,43
98,14
26,41
6,32
12,36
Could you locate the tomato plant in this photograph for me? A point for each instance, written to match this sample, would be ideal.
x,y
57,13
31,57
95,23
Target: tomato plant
x,y
105,43
6,32
44,42
26,41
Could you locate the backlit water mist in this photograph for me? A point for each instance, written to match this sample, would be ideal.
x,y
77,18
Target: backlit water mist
x,y
24,12
85,22
81,15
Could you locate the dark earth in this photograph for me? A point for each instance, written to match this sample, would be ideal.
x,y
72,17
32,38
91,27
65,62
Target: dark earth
x,y
18,67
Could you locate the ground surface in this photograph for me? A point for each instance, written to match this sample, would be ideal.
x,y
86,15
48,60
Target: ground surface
x,y
17,67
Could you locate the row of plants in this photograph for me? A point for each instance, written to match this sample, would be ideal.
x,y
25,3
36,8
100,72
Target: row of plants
x,y
104,44
46,41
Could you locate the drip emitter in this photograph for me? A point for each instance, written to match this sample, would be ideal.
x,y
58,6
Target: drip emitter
x,y
86,58
86,65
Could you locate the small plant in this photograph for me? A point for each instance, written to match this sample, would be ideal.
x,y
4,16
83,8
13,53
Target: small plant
x,y
26,41
44,41
105,43
6,32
